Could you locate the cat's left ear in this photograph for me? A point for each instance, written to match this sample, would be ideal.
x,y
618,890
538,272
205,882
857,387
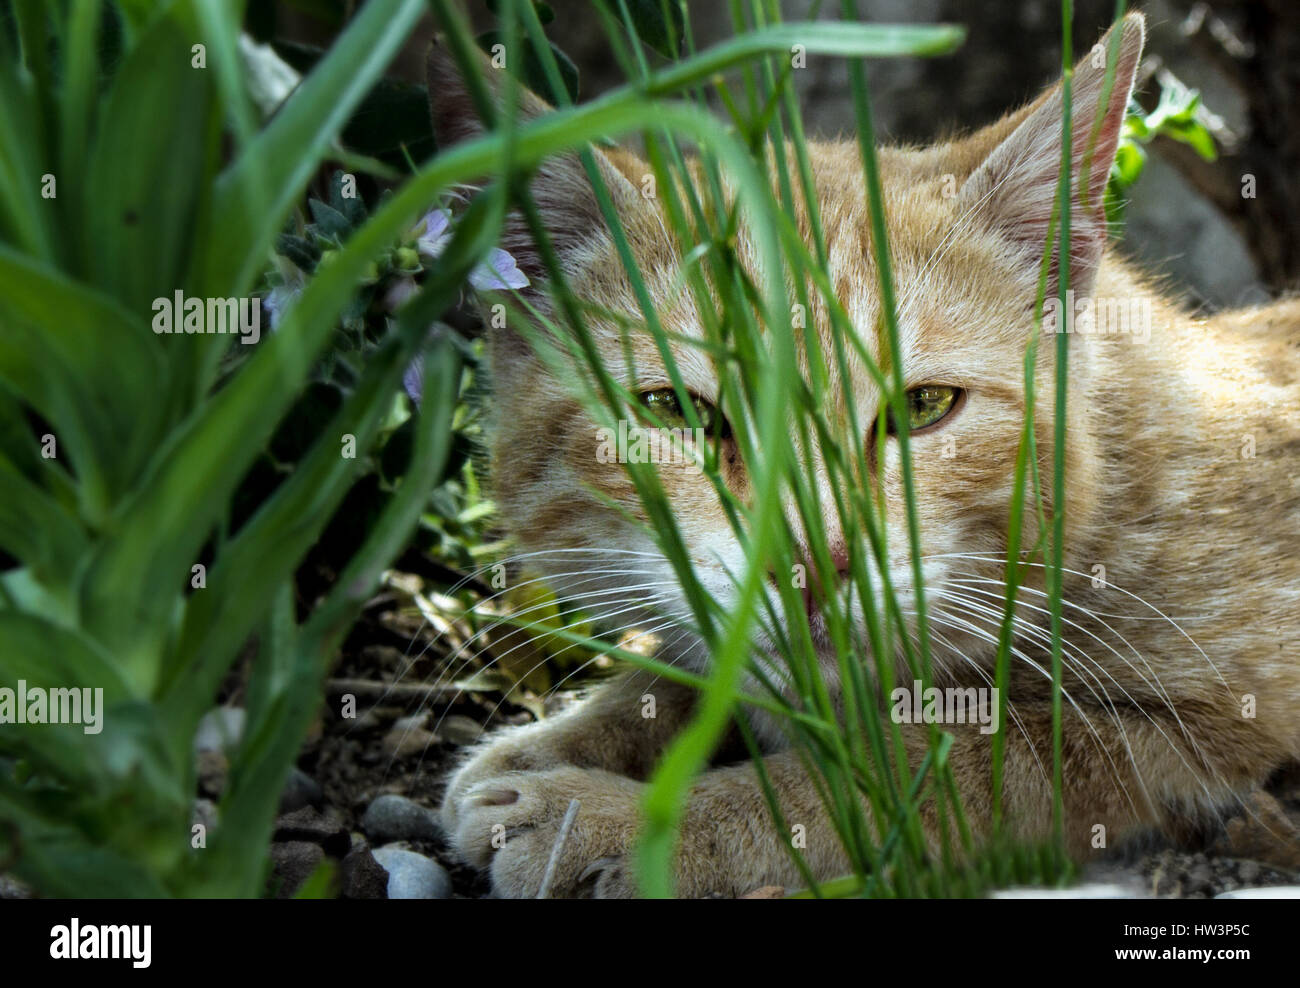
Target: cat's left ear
x,y
560,186
1016,186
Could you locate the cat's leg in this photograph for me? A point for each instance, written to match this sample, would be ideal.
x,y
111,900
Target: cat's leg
x,y
510,823
620,729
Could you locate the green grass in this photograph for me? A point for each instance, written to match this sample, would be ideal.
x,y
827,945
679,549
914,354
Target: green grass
x,y
857,760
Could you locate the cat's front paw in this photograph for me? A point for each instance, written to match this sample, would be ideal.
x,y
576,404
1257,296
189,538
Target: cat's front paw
x,y
512,751
509,825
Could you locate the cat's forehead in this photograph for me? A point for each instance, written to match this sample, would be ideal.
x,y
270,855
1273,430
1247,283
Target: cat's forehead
x,y
945,273
942,263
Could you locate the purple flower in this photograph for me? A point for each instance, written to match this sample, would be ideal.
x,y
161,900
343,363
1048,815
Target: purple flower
x,y
398,292
437,233
499,272
283,295
413,379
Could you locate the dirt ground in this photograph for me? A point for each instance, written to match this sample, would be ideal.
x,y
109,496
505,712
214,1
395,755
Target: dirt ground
x,y
414,718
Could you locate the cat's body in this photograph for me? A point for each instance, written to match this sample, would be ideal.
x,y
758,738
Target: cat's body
x,y
1183,458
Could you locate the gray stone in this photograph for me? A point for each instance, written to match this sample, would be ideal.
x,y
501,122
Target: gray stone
x,y
1088,890
404,740
411,875
205,815
12,888
391,817
460,730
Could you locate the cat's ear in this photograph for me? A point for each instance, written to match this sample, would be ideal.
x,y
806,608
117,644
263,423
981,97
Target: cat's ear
x,y
559,187
1015,187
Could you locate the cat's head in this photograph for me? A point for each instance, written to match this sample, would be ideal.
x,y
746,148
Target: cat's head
x,y
967,223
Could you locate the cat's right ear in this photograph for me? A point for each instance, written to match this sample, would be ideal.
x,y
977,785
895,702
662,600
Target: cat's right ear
x,y
559,187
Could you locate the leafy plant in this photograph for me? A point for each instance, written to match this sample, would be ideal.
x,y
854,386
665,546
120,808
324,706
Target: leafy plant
x,y
122,448
1177,116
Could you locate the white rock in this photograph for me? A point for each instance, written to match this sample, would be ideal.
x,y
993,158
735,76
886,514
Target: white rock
x,y
1266,892
1089,890
411,875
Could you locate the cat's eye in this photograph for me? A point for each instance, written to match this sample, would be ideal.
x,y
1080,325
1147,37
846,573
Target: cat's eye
x,y
664,404
928,405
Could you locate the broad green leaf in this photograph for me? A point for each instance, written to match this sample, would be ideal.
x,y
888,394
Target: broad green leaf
x,y
74,355
146,170
38,530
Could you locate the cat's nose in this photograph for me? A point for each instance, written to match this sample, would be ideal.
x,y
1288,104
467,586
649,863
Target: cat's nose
x,y
840,559
812,588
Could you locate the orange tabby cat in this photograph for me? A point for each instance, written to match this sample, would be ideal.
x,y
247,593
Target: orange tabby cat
x,y
1182,660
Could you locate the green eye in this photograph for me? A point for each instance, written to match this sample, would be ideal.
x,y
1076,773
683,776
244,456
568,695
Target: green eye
x,y
927,405
664,404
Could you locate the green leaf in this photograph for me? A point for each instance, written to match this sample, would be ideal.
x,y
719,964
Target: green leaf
x,y
329,221
1129,160
392,124
818,38
24,214
38,530
41,651
67,351
300,250
664,36
147,169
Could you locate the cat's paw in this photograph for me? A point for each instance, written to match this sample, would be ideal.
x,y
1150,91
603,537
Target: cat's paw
x,y
517,750
510,824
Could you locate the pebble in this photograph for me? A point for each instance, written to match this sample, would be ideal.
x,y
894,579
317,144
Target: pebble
x,y
204,814
212,769
411,875
391,817
406,741
12,888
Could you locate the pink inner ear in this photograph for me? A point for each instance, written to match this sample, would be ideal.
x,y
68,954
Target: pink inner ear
x,y
1107,138
1019,178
